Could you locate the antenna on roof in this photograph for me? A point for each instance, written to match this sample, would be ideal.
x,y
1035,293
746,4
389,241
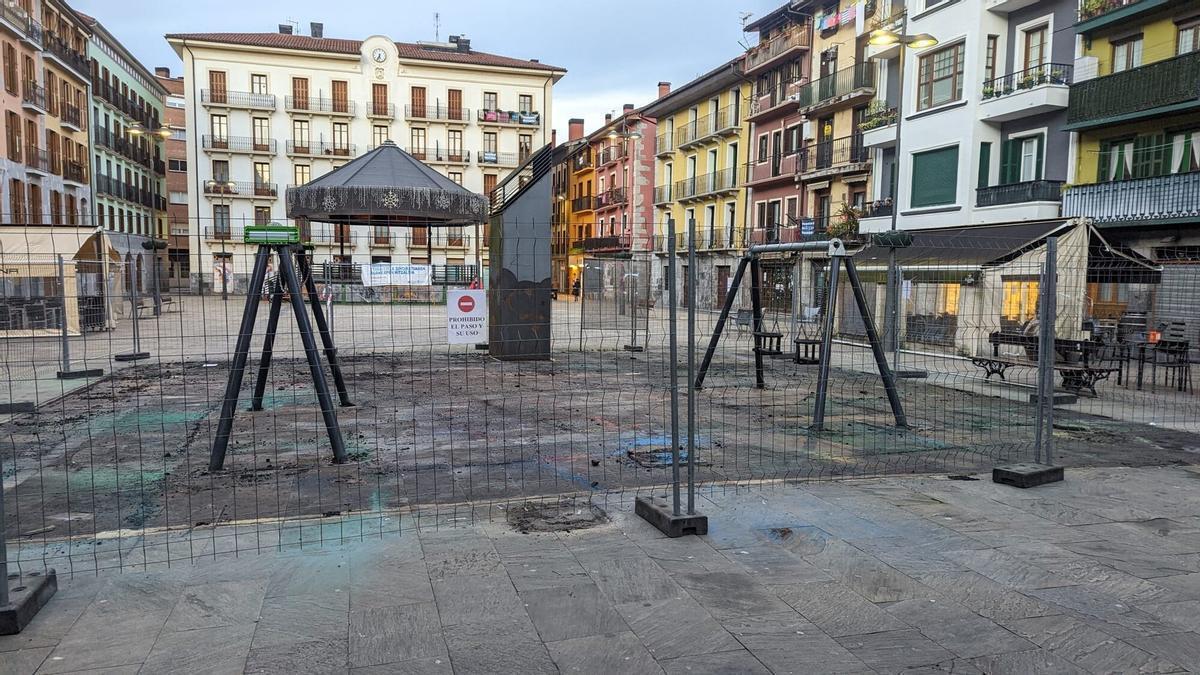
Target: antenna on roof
x,y
437,27
745,17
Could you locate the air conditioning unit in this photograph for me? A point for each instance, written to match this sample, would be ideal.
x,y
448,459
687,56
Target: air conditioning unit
x,y
807,130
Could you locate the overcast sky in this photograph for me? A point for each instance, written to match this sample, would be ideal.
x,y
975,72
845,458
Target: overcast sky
x,y
614,53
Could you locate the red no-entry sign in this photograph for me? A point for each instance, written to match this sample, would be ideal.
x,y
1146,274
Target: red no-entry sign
x,y
466,303
466,316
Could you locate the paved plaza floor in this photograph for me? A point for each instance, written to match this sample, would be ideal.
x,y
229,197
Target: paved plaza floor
x,y
1097,574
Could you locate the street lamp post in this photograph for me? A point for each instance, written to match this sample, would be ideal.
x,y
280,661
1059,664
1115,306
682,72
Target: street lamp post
x,y
632,137
881,38
159,135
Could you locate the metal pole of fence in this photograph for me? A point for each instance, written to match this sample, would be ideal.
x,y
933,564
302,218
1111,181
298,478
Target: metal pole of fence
x,y
66,343
673,340
3,536
691,366
835,262
1048,329
137,354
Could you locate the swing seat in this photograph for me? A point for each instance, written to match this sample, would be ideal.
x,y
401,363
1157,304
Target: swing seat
x,y
807,351
770,343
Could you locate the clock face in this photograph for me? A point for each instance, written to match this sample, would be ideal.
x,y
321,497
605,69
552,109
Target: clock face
x,y
379,55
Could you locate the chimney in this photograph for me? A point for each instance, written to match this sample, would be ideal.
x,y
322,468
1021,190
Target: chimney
x,y
316,29
554,138
627,108
461,43
664,88
575,129
285,29
607,118
162,71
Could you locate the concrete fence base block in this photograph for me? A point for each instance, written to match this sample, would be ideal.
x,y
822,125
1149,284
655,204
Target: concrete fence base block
x,y
80,374
657,511
1027,475
1058,398
27,594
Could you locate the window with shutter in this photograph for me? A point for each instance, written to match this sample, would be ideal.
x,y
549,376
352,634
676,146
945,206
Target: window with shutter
x,y
935,177
985,163
1010,162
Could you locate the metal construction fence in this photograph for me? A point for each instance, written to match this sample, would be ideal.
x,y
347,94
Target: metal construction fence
x,y
117,378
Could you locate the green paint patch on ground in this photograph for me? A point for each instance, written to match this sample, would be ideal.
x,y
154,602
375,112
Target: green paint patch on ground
x,y
872,439
148,419
273,400
107,479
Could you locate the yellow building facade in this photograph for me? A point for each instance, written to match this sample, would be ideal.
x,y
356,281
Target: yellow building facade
x,y
1134,110
703,145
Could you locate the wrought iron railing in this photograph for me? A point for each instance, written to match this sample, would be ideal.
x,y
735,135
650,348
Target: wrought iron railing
x,y
1162,83
1020,193
763,53
611,154
835,153
528,118
586,203
320,148
1170,197
59,48
611,197
237,99
665,143
238,144
71,114
34,94
333,106
1046,73
860,76
497,158
421,111
662,194
381,110
717,181
1091,9
241,189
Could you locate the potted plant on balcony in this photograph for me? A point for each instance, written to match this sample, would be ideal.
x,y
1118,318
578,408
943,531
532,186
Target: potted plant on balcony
x,y
1058,76
988,90
1027,81
846,224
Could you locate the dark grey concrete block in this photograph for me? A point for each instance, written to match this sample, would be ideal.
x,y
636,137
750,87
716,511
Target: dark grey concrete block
x,y
657,512
1059,398
1027,475
27,595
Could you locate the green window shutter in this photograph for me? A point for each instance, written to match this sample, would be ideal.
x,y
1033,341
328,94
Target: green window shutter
x,y
985,163
935,177
1162,155
1041,151
1010,162
1143,156
1103,162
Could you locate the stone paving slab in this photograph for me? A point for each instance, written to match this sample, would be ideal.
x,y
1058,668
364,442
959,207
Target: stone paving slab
x,y
1098,574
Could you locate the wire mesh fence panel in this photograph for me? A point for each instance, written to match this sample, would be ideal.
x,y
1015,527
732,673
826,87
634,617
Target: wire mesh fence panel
x,y
115,469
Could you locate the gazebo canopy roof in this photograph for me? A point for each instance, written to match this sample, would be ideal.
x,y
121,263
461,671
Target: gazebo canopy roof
x,y
386,186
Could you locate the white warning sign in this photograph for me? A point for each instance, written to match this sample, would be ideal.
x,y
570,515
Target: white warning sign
x,y
466,317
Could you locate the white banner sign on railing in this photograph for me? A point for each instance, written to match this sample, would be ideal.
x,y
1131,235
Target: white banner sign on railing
x,y
396,274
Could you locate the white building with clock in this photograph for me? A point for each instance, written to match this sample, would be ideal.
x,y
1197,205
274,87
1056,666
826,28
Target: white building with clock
x,y
270,110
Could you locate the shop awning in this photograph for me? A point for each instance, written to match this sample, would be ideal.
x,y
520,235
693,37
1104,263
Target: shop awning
x,y
963,248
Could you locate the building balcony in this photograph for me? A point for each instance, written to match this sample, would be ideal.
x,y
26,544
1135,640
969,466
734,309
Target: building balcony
x,y
437,113
38,161
1162,87
776,102
334,107
708,128
879,126
493,158
664,145
33,97
509,118
75,172
778,49
223,98
776,169
238,145
139,113
618,243
702,187
1025,93
445,156
611,154
241,189
708,239
843,89
1006,6
71,116
58,49
834,157
611,198
663,195
583,204
1020,193
582,162
19,23
1158,199
381,111
1096,14
319,149
160,167
382,239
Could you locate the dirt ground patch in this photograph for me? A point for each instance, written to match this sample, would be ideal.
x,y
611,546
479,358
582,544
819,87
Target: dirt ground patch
x,y
440,428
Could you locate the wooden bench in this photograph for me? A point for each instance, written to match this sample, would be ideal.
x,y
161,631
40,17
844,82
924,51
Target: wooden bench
x,y
1079,377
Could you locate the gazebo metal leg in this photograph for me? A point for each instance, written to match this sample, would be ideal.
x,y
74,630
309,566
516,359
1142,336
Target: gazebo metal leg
x,y
288,271
323,328
264,364
216,460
